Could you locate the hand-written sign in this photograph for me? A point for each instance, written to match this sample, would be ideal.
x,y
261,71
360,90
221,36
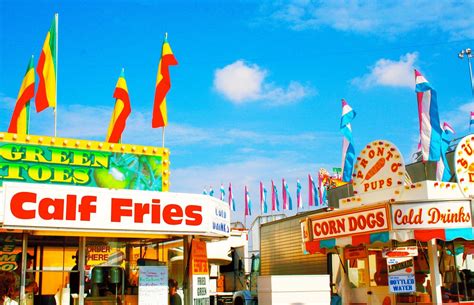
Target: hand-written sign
x,y
464,164
379,166
153,285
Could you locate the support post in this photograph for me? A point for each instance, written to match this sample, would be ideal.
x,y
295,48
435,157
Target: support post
x,y
435,277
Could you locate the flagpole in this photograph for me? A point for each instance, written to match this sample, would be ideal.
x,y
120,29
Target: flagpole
x,y
55,112
163,137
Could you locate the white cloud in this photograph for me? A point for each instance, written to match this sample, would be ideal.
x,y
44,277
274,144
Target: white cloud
x,y
377,17
390,73
459,118
241,83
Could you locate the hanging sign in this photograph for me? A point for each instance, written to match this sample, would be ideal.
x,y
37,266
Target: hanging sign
x,y
355,252
464,165
41,159
379,167
349,222
401,283
400,251
425,215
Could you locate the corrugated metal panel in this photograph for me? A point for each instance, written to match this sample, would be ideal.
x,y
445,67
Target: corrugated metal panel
x,y
281,250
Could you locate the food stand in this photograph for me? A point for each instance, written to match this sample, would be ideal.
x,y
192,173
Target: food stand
x,y
396,241
104,206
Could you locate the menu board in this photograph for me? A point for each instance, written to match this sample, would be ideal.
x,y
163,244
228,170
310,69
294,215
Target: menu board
x,y
153,285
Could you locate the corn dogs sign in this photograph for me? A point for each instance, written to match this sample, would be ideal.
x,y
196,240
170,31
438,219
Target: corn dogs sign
x,y
379,167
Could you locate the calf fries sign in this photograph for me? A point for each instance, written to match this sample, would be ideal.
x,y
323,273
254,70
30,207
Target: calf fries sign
x,y
372,219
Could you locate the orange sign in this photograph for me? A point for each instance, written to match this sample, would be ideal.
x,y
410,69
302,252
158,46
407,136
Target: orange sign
x,y
355,252
199,257
379,166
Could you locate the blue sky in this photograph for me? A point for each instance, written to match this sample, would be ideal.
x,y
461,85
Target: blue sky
x,y
257,92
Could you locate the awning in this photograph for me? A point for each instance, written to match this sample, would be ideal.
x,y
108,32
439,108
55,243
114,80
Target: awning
x,y
320,246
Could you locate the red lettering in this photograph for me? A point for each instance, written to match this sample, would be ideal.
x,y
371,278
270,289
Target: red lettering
x,y
463,163
467,148
140,211
380,151
380,219
364,163
193,214
16,205
57,205
120,207
86,207
155,211
173,214
371,154
71,207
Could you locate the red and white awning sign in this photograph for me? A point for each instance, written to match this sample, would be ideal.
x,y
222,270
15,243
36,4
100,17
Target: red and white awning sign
x,y
54,207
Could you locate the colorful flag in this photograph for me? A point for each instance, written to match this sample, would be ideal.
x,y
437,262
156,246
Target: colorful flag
x,y
19,121
163,85
323,175
231,199
222,192
289,205
310,191
121,111
430,128
348,152
471,122
443,172
283,194
46,95
211,191
314,191
299,199
263,198
275,201
248,203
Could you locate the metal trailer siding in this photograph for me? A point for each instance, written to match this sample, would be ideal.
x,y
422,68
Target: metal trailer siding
x,y
281,249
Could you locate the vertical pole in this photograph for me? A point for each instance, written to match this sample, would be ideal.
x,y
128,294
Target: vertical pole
x,y
81,262
24,257
56,19
435,277
470,73
163,137
187,282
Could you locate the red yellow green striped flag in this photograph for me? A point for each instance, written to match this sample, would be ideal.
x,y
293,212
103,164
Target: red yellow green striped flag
x,y
121,111
46,95
19,121
163,85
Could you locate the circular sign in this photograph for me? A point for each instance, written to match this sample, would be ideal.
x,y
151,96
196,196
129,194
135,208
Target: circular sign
x,y
464,165
379,167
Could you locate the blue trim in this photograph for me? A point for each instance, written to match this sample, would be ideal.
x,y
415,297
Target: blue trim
x,y
327,243
381,236
466,233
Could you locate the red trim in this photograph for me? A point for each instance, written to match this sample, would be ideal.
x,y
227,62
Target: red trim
x,y
360,239
162,89
121,120
312,246
25,97
41,99
425,235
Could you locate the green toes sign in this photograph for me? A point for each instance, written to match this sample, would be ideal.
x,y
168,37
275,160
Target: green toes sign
x,y
79,162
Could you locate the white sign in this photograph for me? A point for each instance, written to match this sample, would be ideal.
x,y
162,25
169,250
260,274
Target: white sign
x,y
400,265
400,251
201,289
464,165
58,207
153,285
402,283
445,214
379,166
